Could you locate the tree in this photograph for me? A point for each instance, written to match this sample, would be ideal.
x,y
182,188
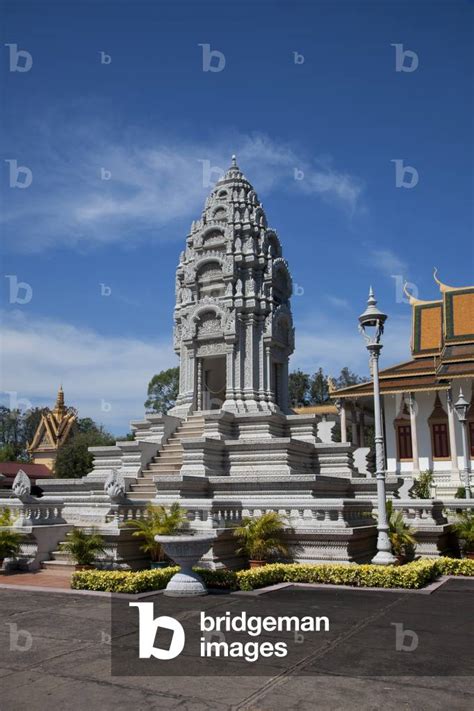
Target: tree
x,y
11,430
74,460
319,388
31,420
298,385
163,390
347,378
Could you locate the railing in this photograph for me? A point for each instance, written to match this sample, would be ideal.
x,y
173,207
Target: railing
x,y
334,512
38,512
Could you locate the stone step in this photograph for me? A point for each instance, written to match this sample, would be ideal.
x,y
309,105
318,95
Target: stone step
x,y
58,565
61,555
171,454
136,496
163,467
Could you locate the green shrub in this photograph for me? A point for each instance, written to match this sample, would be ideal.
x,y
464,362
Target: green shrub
x,y
421,488
412,575
263,536
160,521
455,566
123,581
83,547
463,527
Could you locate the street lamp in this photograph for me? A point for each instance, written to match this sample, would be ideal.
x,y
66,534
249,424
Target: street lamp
x,y
371,325
461,406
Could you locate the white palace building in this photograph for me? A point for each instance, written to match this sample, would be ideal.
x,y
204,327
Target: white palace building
x,y
422,431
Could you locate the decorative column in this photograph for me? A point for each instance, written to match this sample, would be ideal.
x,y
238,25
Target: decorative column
x,y
412,404
452,438
361,428
343,419
354,426
199,383
269,374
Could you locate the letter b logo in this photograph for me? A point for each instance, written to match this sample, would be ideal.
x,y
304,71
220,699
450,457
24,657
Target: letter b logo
x,y
148,628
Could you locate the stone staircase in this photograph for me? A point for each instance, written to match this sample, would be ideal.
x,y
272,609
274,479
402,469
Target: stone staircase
x,y
59,561
168,460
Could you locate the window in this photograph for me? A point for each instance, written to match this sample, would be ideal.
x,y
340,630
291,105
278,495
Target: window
x,y
438,421
440,437
471,435
404,442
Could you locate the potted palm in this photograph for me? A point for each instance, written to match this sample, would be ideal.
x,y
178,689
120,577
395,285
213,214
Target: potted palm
x,y
83,547
401,535
10,541
160,521
263,537
464,529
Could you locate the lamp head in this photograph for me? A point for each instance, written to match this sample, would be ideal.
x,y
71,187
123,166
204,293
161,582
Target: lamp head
x,y
461,406
371,322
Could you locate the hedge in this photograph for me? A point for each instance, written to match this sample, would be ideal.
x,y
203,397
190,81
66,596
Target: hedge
x,y
123,581
410,576
455,566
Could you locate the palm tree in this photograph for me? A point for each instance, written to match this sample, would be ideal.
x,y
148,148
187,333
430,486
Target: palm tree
x,y
464,529
160,521
10,541
262,537
401,535
83,547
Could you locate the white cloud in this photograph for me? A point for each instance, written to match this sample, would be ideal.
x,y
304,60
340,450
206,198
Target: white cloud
x,y
96,371
153,181
337,301
386,261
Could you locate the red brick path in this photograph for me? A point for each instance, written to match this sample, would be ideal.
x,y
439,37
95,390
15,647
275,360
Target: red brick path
x,y
40,579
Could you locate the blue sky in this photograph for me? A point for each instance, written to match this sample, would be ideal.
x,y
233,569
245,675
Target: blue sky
x,y
317,138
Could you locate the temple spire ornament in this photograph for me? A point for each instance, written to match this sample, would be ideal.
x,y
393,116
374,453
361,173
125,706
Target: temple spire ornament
x,y
233,323
54,429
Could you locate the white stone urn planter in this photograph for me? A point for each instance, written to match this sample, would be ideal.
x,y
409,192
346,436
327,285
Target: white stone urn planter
x,y
186,550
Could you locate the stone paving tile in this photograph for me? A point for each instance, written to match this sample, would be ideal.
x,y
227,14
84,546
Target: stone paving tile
x,y
335,693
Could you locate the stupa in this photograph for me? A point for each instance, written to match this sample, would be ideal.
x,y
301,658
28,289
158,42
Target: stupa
x,y
230,447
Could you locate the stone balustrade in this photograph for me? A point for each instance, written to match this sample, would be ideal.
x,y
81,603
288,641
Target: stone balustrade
x,y
420,512
453,507
37,512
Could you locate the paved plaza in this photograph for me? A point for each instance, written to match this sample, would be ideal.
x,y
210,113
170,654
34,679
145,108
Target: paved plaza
x,y
56,654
